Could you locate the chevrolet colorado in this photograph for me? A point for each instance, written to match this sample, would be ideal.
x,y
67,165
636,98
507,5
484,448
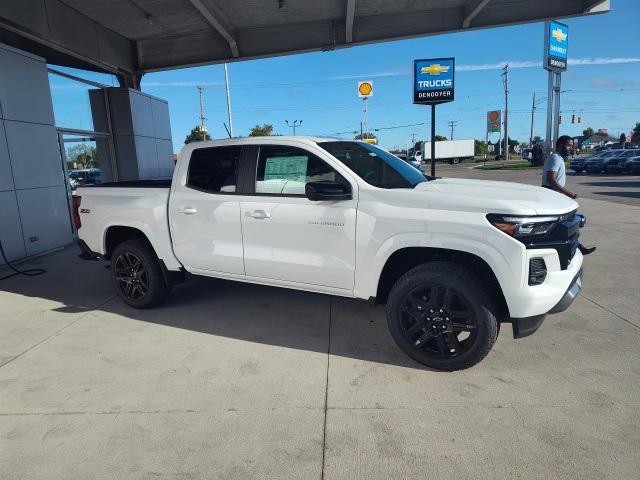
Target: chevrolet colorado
x,y
451,258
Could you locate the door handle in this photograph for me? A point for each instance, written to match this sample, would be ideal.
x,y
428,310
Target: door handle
x,y
258,214
188,210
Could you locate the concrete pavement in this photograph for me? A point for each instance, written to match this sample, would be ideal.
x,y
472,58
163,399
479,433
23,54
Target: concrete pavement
x,y
233,380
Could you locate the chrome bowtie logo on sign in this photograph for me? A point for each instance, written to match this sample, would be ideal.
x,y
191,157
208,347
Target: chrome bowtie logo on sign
x,y
556,46
433,80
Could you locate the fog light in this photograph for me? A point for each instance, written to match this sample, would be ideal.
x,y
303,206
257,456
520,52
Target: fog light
x,y
537,271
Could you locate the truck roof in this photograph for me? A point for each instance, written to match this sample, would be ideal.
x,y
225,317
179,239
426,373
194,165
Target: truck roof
x,y
269,139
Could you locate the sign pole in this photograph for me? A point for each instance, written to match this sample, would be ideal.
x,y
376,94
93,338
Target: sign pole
x,y
556,108
550,92
433,140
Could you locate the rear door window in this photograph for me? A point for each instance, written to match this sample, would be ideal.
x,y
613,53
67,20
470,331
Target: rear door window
x,y
214,169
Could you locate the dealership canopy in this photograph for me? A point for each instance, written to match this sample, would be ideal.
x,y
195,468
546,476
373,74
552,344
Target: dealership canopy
x,y
131,37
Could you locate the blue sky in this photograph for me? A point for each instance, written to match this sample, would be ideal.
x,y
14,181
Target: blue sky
x,y
320,88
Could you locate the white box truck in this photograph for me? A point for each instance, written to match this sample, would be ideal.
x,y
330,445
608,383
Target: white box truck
x,y
452,151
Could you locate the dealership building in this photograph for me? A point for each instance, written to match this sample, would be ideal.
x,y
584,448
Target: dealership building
x,y
58,128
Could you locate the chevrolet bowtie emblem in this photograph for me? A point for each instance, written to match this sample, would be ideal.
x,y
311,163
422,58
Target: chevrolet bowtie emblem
x,y
435,69
559,35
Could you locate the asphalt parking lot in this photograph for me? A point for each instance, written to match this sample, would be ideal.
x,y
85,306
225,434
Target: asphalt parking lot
x,y
238,381
620,188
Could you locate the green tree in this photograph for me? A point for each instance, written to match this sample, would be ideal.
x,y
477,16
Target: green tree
x,y
365,135
261,130
479,147
537,139
588,132
197,135
635,136
440,138
81,155
623,138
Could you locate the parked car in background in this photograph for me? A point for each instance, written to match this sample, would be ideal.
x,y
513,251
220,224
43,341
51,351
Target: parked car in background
x,y
597,165
634,166
619,164
85,176
577,164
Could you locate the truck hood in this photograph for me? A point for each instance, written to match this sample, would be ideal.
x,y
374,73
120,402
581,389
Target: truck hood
x,y
498,197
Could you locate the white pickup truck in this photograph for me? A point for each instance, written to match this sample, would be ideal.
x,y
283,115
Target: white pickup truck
x,y
451,258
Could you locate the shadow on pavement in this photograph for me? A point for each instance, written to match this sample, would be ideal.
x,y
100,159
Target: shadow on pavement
x,y
620,194
621,184
253,313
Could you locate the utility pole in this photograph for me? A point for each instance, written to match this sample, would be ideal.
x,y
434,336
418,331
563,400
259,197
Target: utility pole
x,y
294,124
505,82
533,111
452,124
229,116
203,127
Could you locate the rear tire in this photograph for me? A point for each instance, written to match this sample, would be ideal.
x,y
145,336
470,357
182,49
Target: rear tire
x,y
577,170
441,316
137,275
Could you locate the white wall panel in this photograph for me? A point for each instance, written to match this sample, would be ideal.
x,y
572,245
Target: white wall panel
x,y
165,157
10,231
125,146
24,88
6,178
45,218
141,114
147,157
35,155
161,123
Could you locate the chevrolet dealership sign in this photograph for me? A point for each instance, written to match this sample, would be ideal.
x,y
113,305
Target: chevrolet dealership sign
x,y
556,43
433,80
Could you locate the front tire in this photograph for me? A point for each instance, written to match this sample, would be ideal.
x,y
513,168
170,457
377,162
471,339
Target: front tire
x,y
137,275
441,316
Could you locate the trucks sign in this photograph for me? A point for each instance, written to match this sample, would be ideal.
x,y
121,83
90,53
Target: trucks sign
x,y
556,42
433,80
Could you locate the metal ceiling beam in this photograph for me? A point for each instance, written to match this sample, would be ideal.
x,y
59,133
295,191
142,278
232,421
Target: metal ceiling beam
x,y
351,12
591,6
472,10
206,12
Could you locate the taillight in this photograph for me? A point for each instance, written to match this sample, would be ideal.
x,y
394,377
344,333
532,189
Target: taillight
x,y
75,213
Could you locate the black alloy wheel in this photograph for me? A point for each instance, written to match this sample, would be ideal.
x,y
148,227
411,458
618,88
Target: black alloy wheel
x,y
137,274
441,315
438,321
131,276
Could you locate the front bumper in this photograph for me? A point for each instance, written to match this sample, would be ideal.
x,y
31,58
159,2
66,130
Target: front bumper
x,y
523,327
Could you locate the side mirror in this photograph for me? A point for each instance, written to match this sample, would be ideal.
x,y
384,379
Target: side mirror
x,y
327,191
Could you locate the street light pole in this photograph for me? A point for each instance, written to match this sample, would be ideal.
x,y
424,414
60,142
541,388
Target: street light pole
x,y
294,124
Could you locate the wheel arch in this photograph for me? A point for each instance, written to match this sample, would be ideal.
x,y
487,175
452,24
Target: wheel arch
x,y
404,259
114,235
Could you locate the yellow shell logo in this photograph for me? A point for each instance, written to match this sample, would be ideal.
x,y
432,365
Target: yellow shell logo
x,y
435,69
559,35
365,88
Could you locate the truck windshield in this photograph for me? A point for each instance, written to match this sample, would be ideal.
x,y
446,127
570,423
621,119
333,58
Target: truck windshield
x,y
374,165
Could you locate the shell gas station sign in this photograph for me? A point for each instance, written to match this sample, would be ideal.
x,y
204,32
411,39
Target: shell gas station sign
x,y
365,89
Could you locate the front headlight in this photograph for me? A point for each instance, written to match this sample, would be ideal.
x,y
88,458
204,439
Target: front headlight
x,y
517,226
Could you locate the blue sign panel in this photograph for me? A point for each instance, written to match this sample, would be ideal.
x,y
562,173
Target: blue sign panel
x,y
433,80
556,46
